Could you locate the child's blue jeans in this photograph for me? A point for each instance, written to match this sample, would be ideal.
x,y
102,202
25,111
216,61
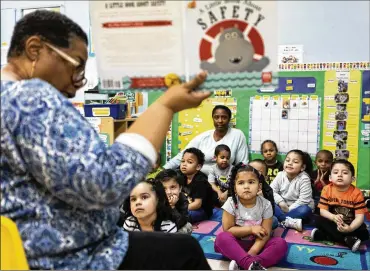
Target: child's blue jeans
x,y
275,222
302,212
197,215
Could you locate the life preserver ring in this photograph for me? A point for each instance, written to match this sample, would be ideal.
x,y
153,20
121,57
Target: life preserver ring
x,y
205,48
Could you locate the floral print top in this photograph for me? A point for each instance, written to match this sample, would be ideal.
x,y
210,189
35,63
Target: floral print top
x,y
60,183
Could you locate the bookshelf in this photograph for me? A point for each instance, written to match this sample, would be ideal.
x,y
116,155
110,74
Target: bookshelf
x,y
121,126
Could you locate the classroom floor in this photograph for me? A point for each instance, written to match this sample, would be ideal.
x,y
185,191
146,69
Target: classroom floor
x,y
303,253
224,265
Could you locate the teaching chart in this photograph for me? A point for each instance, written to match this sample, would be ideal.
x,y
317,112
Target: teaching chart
x,y
342,97
292,121
138,43
195,121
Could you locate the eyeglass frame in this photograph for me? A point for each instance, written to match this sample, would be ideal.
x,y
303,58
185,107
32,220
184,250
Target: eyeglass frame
x,y
78,83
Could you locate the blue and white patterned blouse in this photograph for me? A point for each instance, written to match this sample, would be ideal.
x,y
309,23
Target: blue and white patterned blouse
x,y
60,183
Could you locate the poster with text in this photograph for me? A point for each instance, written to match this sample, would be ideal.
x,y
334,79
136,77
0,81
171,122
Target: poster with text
x,y
138,43
235,41
290,54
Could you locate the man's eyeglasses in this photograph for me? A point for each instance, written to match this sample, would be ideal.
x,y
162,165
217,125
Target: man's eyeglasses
x,y
78,77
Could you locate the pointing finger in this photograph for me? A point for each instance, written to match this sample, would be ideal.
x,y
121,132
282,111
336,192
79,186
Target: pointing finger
x,y
196,81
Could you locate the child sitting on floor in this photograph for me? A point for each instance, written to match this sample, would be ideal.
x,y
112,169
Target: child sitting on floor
x,y
293,190
320,176
147,209
342,209
173,184
219,176
269,151
199,192
246,221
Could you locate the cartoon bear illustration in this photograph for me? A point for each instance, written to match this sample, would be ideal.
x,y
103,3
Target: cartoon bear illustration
x,y
234,54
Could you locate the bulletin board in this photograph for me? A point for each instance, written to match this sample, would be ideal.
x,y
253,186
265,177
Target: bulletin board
x,y
325,78
195,121
342,94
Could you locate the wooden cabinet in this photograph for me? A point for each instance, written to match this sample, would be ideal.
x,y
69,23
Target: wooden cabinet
x,y
121,126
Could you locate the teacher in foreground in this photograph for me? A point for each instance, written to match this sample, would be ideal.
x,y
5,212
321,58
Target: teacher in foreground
x,y
59,182
208,141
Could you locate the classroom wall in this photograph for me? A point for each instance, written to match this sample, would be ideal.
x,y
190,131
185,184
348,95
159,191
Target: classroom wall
x,y
329,30
242,122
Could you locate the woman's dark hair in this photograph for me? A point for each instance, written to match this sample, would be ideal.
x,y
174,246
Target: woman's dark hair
x,y
53,27
220,148
222,107
169,174
269,141
306,159
164,211
198,153
348,165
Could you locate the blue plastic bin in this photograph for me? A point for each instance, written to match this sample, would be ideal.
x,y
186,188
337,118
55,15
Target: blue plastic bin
x,y
116,111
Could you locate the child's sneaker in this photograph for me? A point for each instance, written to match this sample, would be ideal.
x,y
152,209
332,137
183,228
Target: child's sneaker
x,y
317,235
256,266
233,265
293,223
352,242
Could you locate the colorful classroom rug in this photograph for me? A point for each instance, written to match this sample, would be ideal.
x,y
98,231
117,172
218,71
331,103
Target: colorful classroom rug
x,y
302,253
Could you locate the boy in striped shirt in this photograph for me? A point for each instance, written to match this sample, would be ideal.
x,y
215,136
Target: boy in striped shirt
x,y
342,209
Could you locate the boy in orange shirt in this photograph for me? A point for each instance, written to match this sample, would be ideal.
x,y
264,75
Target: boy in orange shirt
x,y
342,209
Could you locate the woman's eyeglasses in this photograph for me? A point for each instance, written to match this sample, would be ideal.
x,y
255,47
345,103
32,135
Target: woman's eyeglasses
x,y
78,77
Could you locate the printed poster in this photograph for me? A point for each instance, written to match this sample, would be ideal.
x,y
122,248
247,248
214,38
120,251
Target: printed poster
x,y
138,43
235,41
290,54
342,95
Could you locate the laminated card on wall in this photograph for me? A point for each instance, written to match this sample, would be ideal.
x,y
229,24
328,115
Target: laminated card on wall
x,y
235,41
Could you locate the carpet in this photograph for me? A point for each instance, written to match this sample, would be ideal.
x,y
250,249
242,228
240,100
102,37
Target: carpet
x,y
302,252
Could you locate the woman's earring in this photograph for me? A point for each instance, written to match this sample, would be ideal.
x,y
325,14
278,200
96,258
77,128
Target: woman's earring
x,y
33,68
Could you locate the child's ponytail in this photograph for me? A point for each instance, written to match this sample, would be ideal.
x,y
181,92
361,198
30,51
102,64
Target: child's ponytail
x,y
308,162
